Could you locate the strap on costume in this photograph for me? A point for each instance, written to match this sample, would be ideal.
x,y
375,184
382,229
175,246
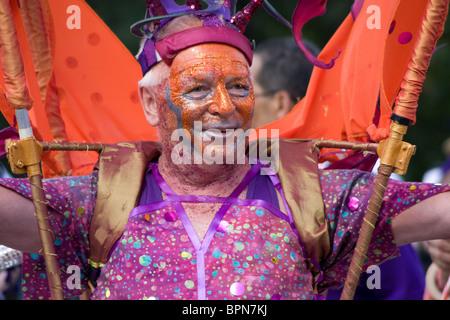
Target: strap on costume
x,y
202,246
277,184
121,168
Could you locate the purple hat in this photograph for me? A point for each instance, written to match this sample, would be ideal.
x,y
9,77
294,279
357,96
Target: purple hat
x,y
219,26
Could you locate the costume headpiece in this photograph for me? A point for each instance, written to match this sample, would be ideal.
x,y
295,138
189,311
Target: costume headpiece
x,y
219,26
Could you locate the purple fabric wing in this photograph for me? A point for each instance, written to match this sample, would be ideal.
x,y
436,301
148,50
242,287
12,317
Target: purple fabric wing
x,y
305,11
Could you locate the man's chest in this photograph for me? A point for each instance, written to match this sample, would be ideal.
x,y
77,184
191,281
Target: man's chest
x,y
252,254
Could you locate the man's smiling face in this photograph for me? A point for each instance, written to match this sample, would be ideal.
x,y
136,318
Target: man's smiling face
x,y
209,86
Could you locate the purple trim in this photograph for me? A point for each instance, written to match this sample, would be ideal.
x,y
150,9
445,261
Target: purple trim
x,y
240,202
163,185
262,188
147,58
155,183
201,247
201,274
171,7
189,198
148,208
305,11
169,47
150,190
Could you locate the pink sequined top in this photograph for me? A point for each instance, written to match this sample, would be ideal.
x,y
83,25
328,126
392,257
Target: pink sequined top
x,y
250,250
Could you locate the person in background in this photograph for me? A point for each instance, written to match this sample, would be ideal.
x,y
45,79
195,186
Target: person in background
x,y
281,75
436,253
10,274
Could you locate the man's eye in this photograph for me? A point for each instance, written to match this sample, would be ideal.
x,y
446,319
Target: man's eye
x,y
239,89
198,92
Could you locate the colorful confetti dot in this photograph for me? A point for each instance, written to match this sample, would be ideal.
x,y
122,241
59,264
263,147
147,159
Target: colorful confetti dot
x,y
145,260
189,284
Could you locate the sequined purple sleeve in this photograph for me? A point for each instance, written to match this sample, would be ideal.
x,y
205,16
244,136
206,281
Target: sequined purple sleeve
x,y
346,194
71,203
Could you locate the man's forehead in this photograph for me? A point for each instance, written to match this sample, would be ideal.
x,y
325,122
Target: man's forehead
x,y
216,56
212,67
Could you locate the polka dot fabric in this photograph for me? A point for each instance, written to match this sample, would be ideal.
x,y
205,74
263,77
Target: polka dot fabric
x,y
71,202
256,257
253,255
346,194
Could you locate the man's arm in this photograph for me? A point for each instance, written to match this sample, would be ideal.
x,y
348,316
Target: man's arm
x,y
18,224
427,220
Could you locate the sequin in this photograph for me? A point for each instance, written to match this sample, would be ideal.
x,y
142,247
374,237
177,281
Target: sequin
x,y
293,256
80,210
239,246
145,260
259,212
237,289
223,226
171,216
353,203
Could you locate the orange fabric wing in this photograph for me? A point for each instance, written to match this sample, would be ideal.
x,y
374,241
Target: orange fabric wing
x,y
343,103
87,90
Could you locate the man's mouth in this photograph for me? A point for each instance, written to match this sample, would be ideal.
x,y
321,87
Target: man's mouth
x,y
218,134
221,130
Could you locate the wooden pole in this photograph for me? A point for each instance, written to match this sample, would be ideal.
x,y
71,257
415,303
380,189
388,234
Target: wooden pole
x,y
27,153
395,154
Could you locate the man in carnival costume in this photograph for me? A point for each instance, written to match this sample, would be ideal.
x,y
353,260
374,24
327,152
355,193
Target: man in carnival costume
x,y
201,229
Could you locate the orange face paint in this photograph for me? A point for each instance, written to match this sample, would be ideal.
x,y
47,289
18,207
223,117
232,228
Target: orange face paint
x,y
209,87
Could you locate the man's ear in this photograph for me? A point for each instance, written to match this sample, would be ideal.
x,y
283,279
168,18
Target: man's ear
x,y
149,104
283,103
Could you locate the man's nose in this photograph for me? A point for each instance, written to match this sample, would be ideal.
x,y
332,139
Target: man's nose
x,y
222,103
